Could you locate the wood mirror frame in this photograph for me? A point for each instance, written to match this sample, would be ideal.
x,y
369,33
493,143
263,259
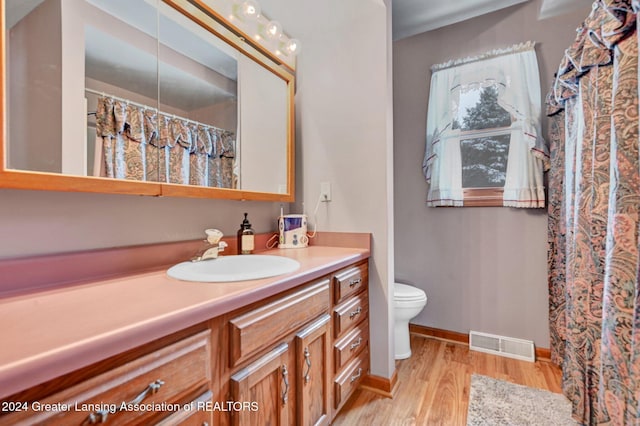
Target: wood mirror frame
x,y
203,15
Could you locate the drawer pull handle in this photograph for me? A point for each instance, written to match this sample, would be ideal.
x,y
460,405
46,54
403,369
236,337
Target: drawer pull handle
x,y
356,343
100,416
285,380
357,375
355,313
307,360
353,283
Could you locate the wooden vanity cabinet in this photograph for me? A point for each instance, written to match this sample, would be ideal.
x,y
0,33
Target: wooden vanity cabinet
x,y
350,331
266,386
293,358
278,358
298,356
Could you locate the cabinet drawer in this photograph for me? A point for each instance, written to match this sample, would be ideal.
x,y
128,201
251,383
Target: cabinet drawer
x,y
263,326
351,345
350,281
350,313
350,378
168,376
199,414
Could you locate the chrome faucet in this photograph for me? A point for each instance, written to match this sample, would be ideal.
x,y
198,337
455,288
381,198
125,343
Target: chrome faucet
x,y
213,246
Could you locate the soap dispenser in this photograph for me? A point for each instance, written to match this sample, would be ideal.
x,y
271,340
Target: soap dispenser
x,y
246,241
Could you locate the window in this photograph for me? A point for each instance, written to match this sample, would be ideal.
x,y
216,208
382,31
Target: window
x,y
485,133
483,143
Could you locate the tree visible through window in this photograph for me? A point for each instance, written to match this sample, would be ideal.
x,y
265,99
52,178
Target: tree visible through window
x,y
485,136
486,113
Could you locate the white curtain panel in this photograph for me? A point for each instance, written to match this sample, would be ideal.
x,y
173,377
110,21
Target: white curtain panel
x,y
443,143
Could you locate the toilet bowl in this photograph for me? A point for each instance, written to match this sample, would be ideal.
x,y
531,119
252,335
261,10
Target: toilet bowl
x,y
408,302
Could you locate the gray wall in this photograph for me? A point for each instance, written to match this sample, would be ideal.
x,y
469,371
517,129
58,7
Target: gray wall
x,y
483,268
42,222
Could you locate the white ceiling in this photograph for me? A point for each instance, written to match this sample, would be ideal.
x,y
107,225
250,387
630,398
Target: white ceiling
x,y
411,17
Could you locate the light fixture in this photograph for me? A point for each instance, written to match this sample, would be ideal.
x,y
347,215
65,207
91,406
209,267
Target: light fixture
x,y
246,15
292,46
250,9
274,30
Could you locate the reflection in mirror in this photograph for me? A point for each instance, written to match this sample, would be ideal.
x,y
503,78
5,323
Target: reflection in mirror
x,y
264,138
135,90
188,135
120,88
46,72
198,81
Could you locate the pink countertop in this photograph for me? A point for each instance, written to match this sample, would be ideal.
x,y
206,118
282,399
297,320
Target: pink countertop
x,y
51,333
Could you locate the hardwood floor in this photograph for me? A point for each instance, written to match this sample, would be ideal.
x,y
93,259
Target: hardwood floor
x,y
433,385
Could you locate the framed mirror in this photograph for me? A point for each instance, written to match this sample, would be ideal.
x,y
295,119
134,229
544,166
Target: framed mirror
x,y
149,97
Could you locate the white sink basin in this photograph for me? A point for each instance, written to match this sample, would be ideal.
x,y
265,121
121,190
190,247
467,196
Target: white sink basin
x,y
233,268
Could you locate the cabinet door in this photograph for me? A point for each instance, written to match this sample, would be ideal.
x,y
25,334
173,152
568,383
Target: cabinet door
x,y
263,389
313,373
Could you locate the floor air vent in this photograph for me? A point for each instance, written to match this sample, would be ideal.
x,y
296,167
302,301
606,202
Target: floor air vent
x,y
501,345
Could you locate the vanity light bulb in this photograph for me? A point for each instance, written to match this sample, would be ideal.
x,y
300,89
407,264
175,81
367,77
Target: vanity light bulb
x,y
250,9
274,30
293,46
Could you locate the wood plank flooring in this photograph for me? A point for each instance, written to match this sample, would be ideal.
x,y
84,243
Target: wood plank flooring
x,y
433,385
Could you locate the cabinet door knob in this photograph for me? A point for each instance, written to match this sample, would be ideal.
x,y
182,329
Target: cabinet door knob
x,y
285,380
307,360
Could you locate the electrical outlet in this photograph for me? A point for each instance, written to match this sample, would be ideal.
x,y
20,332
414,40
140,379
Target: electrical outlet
x,y
325,191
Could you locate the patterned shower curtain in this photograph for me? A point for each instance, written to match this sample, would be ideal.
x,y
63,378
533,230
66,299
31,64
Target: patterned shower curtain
x,y
594,206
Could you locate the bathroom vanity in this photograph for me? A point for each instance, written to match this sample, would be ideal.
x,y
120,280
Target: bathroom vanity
x,y
145,348
150,349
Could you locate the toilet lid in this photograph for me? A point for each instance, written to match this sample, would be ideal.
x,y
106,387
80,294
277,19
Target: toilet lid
x,y
407,292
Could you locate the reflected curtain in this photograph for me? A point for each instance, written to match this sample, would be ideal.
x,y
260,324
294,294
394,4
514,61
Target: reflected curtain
x,y
594,203
143,144
120,138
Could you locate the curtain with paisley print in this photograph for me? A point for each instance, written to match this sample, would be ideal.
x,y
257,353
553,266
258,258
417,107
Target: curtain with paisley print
x,y
139,143
594,217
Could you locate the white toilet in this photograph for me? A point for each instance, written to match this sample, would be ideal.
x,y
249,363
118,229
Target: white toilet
x,y
408,301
